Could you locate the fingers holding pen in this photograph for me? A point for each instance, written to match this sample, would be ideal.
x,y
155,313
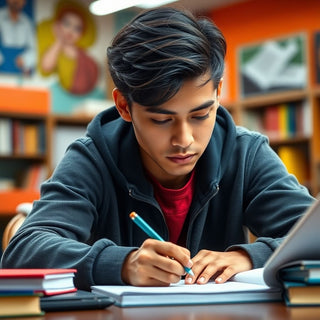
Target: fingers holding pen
x,y
176,253
155,263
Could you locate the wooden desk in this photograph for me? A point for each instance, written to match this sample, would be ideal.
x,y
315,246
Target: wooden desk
x,y
254,311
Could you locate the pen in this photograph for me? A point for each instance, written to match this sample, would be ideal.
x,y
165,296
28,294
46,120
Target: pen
x,y
150,232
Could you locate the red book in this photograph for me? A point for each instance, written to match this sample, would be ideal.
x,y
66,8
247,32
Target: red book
x,y
272,121
46,281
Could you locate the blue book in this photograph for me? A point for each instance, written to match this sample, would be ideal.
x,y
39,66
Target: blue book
x,y
304,271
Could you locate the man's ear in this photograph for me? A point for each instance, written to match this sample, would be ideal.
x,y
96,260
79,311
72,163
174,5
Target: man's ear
x,y
219,89
121,105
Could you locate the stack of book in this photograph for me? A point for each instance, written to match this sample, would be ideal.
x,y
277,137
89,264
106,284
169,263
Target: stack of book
x,y
301,281
21,289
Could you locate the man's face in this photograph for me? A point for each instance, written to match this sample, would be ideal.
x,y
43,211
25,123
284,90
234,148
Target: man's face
x,y
16,5
173,136
70,28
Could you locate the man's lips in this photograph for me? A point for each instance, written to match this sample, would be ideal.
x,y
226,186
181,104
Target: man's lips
x,y
181,159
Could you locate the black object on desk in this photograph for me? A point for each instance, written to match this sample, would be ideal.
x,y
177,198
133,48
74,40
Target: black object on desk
x,y
79,300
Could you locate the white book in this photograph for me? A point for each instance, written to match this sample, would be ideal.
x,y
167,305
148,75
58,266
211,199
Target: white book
x,y
5,136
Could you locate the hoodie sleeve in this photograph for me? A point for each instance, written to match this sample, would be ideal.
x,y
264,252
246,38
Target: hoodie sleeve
x,y
58,231
273,201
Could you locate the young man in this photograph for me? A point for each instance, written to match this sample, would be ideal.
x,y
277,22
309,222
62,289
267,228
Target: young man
x,y
169,152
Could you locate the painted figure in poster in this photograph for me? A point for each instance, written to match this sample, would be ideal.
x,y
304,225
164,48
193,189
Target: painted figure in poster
x,y
17,39
62,43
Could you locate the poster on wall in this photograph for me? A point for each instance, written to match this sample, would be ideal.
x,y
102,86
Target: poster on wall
x,y
272,66
56,46
17,37
64,40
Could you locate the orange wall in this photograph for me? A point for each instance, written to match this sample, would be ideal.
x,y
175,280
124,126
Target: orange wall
x,y
255,20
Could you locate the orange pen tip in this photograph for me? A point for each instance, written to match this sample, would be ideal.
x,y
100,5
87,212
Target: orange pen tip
x,y
132,215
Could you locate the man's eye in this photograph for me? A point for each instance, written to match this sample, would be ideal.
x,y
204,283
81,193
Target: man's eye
x,y
206,116
160,121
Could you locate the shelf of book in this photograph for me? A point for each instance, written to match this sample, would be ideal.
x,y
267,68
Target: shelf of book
x,y
28,152
288,119
273,98
71,120
289,141
23,157
22,136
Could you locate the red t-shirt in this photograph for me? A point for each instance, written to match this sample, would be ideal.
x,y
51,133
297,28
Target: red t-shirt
x,y
175,204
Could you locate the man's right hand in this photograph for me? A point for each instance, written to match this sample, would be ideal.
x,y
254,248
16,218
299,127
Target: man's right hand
x,y
155,263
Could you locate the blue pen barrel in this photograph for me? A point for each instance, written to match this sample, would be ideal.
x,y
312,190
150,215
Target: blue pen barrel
x,y
145,227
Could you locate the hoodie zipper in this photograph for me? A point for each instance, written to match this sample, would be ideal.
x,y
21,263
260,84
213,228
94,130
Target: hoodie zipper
x,y
136,196
198,212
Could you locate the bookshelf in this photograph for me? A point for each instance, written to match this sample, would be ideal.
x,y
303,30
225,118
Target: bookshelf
x,y
24,141
23,157
297,138
29,151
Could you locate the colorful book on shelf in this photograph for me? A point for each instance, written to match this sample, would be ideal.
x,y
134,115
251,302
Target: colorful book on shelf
x,y
16,146
5,136
307,119
272,122
295,161
20,304
283,121
46,281
30,139
291,120
303,119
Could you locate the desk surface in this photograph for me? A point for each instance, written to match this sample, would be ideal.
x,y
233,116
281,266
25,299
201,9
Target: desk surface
x,y
254,311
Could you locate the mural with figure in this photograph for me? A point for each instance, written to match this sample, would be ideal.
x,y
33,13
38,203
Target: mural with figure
x,y
62,42
17,37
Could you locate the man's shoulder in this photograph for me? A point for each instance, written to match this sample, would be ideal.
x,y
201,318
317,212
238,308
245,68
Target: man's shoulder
x,y
245,133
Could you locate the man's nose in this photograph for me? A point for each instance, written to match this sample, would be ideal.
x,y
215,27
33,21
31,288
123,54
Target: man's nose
x,y
182,135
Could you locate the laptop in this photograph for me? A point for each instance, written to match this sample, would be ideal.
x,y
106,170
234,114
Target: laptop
x,y
301,243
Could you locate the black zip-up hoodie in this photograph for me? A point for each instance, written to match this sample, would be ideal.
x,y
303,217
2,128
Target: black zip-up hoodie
x,y
82,219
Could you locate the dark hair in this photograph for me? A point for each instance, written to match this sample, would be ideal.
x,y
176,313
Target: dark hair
x,y
153,55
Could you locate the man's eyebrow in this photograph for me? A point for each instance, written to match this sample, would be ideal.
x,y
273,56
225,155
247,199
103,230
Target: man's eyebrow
x,y
205,105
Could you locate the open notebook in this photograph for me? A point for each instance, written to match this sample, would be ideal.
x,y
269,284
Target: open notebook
x,y
249,287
